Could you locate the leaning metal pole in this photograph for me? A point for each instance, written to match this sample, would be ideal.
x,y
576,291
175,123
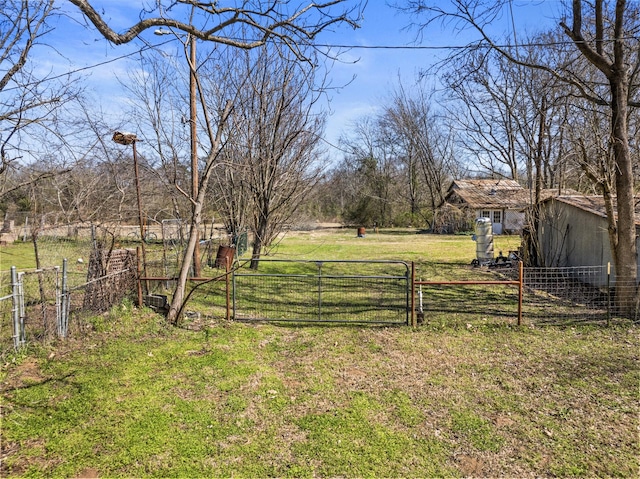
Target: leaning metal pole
x,y
140,216
15,311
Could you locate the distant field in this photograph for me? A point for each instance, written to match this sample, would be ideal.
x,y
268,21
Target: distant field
x,y
334,243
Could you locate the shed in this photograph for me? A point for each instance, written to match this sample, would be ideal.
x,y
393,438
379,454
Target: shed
x,y
573,231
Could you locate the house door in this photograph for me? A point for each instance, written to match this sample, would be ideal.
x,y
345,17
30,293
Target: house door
x,y
496,220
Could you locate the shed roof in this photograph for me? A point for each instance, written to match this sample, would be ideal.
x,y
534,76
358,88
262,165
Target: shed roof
x,y
594,204
486,184
493,194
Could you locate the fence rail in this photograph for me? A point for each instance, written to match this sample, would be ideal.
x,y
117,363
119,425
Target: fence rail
x,y
478,282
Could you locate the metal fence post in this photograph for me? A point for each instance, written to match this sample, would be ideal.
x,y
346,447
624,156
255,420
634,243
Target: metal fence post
x,y
520,290
64,303
58,300
22,337
413,295
15,310
233,293
608,294
319,265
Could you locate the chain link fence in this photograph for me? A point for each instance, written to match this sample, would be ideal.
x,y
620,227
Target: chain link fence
x,y
43,304
83,272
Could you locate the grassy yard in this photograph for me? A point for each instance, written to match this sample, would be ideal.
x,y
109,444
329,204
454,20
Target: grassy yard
x,y
139,398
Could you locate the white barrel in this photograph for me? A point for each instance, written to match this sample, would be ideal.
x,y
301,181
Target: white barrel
x,y
484,240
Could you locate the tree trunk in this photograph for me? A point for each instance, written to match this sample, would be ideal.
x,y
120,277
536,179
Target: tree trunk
x,y
178,295
260,233
625,256
177,301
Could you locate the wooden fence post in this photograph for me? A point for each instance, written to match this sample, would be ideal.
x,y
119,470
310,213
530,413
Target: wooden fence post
x,y
226,279
139,264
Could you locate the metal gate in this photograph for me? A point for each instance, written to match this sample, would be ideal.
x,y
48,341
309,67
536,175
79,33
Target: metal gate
x,y
327,291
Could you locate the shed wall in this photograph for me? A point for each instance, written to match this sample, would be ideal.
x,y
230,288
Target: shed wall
x,y
513,221
569,236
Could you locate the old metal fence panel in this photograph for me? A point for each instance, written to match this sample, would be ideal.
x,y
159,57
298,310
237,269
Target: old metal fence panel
x,y
370,292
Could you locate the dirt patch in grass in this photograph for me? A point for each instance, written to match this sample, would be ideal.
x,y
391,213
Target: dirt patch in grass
x,y
504,402
23,374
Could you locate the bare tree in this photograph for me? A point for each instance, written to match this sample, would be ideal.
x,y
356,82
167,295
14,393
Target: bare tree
x,y
488,93
426,152
246,26
605,34
371,161
272,147
159,102
31,105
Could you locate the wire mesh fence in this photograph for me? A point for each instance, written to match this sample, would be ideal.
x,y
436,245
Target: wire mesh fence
x,y
55,301
44,304
323,291
550,295
579,294
40,297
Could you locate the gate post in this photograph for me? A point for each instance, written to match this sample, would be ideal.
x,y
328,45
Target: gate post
x,y
520,290
64,302
413,294
226,280
139,260
15,311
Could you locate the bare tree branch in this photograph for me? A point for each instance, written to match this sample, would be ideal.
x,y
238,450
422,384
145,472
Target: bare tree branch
x,y
268,20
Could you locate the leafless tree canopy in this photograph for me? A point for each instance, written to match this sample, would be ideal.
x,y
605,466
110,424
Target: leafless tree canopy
x,y
599,62
247,24
31,106
271,154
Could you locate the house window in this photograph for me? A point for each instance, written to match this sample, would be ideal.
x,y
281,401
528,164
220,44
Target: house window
x,y
497,217
485,214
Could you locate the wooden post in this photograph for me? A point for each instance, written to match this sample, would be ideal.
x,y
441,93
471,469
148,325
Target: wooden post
x,y
226,279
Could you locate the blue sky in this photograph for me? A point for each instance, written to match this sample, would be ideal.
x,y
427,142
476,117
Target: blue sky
x,y
376,70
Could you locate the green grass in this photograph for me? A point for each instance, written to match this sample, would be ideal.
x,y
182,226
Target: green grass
x,y
19,254
146,400
139,398
396,244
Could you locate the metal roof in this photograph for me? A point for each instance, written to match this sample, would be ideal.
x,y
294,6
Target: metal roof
x,y
493,194
492,184
594,204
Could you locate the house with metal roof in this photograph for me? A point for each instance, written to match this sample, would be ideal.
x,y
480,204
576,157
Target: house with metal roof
x,y
501,200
